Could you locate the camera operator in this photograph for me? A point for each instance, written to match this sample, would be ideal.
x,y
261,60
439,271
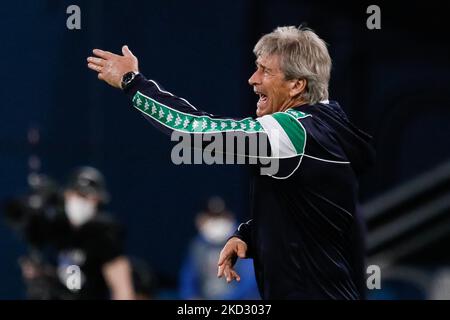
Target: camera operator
x,y
73,229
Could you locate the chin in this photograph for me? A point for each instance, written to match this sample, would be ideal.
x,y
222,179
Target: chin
x,y
262,112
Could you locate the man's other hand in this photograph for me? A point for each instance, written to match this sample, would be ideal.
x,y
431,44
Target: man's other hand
x,y
233,249
111,67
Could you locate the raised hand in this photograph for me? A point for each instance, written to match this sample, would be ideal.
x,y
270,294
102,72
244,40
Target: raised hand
x,y
111,67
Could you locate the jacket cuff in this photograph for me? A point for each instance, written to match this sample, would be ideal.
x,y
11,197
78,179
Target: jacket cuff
x,y
244,235
137,84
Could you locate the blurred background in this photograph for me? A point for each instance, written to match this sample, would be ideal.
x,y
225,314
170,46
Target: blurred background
x,y
393,83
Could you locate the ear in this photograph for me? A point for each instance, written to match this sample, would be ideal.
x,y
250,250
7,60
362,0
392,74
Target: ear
x,y
297,87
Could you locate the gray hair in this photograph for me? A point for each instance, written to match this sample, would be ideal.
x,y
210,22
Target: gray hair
x,y
303,55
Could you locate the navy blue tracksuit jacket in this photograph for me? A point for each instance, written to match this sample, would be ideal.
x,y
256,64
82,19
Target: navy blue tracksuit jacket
x,y
305,234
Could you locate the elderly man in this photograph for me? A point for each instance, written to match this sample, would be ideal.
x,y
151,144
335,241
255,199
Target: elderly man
x,y
304,236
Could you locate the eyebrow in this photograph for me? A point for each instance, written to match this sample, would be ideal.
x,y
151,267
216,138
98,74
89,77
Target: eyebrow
x,y
258,64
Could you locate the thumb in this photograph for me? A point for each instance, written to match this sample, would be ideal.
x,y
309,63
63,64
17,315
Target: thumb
x,y
127,52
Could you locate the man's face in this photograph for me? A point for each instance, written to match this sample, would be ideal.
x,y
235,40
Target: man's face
x,y
269,83
80,208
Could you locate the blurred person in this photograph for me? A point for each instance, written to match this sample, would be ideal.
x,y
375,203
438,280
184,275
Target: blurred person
x,y
198,275
93,240
305,236
75,232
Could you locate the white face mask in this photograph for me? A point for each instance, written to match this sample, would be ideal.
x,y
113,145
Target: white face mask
x,y
217,230
79,210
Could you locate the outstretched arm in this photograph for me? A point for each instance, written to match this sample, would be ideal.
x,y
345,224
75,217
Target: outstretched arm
x,y
159,105
273,136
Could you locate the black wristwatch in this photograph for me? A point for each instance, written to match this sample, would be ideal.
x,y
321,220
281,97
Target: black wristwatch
x,y
127,79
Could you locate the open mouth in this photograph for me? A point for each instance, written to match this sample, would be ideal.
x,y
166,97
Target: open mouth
x,y
262,99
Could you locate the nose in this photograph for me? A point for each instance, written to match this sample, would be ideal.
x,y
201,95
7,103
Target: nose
x,y
254,79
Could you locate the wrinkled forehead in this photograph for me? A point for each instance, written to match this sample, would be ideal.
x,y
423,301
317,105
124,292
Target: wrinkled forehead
x,y
271,61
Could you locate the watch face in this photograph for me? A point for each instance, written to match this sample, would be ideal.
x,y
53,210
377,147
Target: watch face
x,y
127,78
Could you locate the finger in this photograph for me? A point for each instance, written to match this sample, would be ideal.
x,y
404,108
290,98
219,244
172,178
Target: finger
x,y
219,272
224,255
100,76
103,54
97,61
230,274
227,273
224,269
127,52
94,67
235,275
